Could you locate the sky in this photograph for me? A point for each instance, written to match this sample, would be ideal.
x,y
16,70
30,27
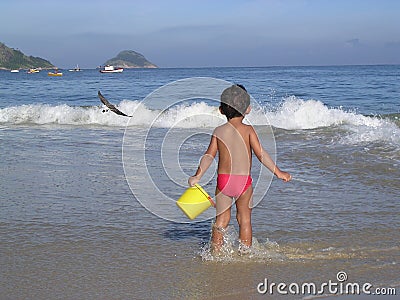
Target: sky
x,y
205,33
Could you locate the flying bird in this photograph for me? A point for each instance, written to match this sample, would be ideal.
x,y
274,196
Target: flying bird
x,y
111,106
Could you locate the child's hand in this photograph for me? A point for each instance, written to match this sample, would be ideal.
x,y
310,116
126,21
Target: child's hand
x,y
193,180
285,176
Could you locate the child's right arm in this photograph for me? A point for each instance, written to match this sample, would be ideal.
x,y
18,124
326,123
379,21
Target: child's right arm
x,y
205,161
264,157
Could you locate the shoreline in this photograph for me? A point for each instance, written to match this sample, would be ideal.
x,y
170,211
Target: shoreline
x,y
221,67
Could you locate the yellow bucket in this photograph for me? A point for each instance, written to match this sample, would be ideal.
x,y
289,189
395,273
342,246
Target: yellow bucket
x,y
194,201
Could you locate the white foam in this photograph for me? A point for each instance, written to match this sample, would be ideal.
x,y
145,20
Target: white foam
x,y
295,113
292,113
260,252
191,116
42,114
298,114
383,132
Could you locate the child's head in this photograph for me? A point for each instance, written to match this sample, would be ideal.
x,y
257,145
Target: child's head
x,y
234,101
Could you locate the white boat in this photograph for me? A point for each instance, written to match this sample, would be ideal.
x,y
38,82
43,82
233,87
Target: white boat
x,y
14,71
111,69
76,69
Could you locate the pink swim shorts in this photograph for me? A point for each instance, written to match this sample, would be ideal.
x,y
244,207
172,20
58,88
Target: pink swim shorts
x,y
233,185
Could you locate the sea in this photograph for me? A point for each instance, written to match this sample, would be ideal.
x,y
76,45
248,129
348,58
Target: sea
x,y
87,196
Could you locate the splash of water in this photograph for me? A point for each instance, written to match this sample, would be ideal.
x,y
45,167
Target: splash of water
x,y
229,252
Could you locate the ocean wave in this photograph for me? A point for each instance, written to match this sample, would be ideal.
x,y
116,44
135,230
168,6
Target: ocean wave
x,y
292,113
295,113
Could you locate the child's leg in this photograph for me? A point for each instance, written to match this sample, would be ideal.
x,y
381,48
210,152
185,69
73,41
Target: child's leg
x,y
223,205
243,216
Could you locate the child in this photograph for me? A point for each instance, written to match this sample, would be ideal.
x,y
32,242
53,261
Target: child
x,y
234,142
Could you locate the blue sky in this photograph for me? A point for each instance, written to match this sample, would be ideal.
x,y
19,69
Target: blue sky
x,y
179,33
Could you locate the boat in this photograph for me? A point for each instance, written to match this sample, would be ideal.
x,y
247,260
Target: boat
x,y
76,69
31,71
111,69
15,71
55,73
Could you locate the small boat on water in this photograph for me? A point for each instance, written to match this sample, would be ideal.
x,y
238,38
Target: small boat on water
x,y
76,69
31,71
15,71
55,73
111,69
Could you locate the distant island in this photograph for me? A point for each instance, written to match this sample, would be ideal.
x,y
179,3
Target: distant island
x,y
11,59
14,59
130,59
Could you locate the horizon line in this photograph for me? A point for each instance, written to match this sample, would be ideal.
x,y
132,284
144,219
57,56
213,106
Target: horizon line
x,y
209,67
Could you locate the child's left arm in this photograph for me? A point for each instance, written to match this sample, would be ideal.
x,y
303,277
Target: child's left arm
x,y
265,159
205,161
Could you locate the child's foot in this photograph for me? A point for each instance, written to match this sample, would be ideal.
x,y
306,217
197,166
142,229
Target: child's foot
x,y
243,249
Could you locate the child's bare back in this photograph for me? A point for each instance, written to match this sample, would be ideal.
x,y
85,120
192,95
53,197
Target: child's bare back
x,y
234,151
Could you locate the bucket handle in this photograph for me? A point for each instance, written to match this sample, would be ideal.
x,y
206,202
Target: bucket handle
x,y
208,196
